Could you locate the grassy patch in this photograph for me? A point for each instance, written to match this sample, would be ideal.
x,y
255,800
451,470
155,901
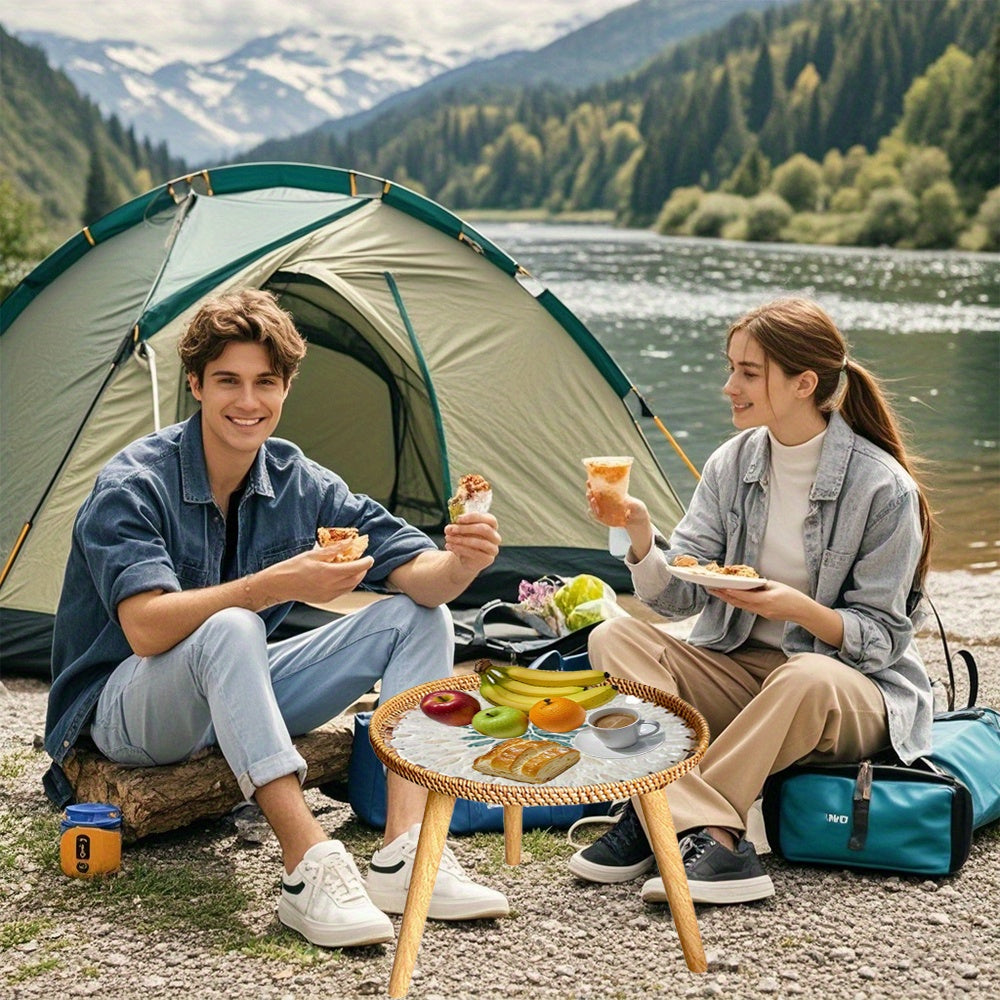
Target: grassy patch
x,y
20,932
288,947
31,836
13,765
543,845
169,896
35,969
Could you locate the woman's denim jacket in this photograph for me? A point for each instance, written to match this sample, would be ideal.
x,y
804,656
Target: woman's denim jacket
x,y
862,541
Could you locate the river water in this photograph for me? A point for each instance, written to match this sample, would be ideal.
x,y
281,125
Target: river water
x,y
927,323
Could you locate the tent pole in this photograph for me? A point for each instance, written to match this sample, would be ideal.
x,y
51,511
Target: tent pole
x,y
648,412
14,551
680,451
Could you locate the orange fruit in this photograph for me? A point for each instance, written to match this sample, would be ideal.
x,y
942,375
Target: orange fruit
x,y
557,715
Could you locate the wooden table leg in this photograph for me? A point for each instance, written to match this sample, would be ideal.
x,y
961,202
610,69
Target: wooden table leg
x,y
668,857
512,817
430,847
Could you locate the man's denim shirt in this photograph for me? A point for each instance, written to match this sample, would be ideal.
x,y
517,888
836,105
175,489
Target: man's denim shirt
x,y
862,543
151,523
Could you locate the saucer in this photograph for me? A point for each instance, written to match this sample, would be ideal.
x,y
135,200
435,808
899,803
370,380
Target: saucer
x,y
586,742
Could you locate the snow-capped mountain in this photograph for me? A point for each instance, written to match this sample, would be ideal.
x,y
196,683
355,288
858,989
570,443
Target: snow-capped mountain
x,y
271,87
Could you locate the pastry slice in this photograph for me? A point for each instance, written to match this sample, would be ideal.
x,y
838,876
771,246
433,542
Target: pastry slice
x,y
552,759
501,758
346,542
474,495
535,761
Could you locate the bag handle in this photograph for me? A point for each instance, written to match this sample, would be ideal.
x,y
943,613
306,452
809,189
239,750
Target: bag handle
x,y
967,658
479,625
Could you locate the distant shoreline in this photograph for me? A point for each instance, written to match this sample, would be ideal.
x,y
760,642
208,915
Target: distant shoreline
x,y
603,217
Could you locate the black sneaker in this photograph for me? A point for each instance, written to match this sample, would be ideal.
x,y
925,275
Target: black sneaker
x,y
716,874
622,854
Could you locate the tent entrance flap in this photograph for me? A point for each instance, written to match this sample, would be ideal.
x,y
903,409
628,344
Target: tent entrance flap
x,y
358,406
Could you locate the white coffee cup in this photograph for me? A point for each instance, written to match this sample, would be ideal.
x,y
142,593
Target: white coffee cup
x,y
619,727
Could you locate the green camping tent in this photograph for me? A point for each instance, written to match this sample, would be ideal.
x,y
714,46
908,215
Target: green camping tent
x,y
431,354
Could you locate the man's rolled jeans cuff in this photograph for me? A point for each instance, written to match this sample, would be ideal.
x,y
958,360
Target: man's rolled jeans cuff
x,y
270,769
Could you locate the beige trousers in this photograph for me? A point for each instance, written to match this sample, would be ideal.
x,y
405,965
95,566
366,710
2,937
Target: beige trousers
x,y
764,710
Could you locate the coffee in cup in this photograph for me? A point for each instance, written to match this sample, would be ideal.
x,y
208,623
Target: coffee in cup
x,y
619,727
615,720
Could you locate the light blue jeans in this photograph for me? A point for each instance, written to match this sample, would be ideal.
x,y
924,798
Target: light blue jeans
x,y
226,685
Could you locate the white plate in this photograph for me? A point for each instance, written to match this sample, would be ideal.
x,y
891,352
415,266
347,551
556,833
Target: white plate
x,y
586,742
717,581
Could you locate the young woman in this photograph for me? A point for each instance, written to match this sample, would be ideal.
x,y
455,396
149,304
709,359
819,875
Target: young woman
x,y
817,493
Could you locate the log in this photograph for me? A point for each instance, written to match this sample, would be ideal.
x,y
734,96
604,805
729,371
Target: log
x,y
158,799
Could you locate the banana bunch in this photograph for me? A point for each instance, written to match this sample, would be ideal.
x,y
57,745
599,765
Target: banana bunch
x,y
523,687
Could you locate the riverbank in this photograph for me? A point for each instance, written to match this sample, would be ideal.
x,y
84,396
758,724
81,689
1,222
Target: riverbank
x,y
194,911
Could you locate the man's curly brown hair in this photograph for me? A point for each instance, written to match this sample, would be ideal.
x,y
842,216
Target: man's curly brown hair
x,y
246,316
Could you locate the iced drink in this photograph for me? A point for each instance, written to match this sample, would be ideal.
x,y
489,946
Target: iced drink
x,y
607,477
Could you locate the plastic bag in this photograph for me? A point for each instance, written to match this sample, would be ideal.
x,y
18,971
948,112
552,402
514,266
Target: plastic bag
x,y
584,600
591,612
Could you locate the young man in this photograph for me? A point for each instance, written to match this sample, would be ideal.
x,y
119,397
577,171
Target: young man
x,y
187,554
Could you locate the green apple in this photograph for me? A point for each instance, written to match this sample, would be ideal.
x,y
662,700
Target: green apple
x,y
500,721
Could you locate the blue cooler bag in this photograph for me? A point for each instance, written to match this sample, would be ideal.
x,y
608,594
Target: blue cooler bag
x,y
366,794
915,819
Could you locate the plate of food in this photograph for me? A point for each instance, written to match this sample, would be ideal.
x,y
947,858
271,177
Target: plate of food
x,y
714,576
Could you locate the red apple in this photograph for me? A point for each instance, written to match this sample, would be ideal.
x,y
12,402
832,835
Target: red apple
x,y
453,708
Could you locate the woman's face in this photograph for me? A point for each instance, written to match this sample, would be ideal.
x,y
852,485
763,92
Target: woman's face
x,y
762,395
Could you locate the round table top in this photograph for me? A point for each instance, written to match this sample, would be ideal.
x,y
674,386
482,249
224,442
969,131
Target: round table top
x,y
440,757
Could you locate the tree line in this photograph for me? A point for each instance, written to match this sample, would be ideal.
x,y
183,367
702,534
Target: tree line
x,y
730,114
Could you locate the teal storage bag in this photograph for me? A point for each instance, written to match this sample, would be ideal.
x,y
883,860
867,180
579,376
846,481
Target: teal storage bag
x,y
966,745
890,817
915,819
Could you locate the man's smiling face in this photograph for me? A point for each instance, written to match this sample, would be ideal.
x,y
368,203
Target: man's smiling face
x,y
241,399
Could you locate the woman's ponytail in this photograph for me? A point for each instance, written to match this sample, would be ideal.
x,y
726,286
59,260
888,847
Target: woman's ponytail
x,y
865,406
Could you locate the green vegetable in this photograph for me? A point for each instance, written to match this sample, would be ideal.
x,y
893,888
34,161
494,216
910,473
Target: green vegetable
x,y
579,590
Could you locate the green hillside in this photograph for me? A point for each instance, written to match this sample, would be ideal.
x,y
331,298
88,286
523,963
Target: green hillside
x,y
60,160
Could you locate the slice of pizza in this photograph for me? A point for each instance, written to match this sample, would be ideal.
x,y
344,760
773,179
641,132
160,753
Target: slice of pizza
x,y
346,542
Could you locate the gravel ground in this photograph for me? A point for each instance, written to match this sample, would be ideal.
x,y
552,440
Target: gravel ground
x,y
194,911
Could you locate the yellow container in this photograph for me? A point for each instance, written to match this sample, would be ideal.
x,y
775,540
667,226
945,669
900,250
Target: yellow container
x,y
91,839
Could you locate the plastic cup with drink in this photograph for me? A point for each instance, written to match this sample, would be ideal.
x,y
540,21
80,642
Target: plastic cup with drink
x,y
607,480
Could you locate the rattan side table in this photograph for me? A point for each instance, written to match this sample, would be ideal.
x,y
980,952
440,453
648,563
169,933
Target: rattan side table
x,y
443,790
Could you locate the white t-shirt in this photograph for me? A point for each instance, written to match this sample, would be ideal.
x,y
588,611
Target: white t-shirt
x,y
782,552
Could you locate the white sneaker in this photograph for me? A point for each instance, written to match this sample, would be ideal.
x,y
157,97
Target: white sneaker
x,y
324,900
455,895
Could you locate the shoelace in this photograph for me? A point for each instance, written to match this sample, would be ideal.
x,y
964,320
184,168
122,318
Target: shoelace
x,y
340,877
694,845
449,862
